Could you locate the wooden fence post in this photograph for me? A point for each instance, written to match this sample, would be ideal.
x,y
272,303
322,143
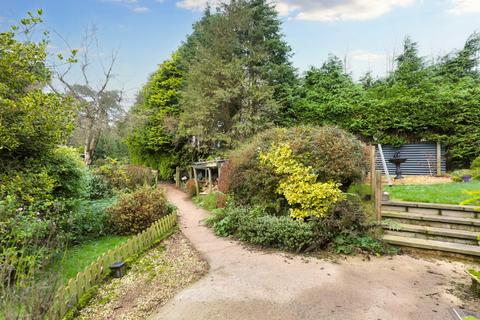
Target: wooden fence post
x,y
378,194
197,188
70,294
177,177
439,159
209,180
373,167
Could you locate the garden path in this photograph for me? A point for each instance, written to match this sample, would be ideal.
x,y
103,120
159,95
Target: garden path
x,y
245,283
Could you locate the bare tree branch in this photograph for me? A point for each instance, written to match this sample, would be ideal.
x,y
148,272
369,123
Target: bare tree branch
x,y
98,104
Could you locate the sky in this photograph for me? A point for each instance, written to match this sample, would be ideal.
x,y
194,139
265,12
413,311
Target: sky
x,y
365,33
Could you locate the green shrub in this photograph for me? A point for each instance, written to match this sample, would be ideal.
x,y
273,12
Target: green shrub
x,y
347,215
37,199
457,175
27,291
298,184
345,230
30,189
225,221
60,174
41,196
89,220
256,227
208,201
475,163
139,176
333,154
99,187
364,191
69,172
114,172
124,176
166,167
278,232
22,228
474,200
135,212
350,243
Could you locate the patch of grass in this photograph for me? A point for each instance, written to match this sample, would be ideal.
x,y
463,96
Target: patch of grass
x,y
78,257
474,273
207,201
82,303
448,193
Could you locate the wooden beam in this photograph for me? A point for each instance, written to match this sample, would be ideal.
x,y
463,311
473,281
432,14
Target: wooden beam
x,y
197,189
373,166
209,180
439,159
384,163
378,194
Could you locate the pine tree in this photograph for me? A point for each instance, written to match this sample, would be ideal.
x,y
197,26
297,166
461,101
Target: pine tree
x,y
329,95
236,83
462,63
152,141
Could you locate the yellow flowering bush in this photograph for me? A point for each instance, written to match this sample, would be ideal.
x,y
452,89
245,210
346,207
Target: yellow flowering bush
x,y
299,185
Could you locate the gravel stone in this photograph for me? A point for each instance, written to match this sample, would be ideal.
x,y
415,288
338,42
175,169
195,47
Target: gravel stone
x,y
149,283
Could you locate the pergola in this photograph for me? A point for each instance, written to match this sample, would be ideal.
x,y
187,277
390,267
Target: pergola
x,y
206,169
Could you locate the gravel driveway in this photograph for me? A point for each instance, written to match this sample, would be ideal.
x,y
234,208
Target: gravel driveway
x,y
252,284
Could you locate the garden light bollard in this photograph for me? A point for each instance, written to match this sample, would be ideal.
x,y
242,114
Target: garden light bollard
x,y
118,269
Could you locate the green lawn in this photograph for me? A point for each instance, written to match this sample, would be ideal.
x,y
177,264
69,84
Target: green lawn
x,y
207,201
78,257
449,193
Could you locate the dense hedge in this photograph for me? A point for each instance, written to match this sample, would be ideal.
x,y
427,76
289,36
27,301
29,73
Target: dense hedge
x,y
136,211
334,155
346,229
37,199
121,176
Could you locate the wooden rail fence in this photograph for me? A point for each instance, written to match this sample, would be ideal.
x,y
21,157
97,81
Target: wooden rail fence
x,y
68,295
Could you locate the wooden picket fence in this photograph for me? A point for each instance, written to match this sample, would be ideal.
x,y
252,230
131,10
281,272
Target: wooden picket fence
x,y
68,295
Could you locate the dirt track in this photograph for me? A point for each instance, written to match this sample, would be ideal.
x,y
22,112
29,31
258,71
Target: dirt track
x,y
251,284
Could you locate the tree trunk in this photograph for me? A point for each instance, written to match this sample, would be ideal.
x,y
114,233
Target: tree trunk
x,y
91,140
91,145
88,156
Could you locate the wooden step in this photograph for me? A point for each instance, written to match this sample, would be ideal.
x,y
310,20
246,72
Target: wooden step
x,y
465,249
452,207
432,209
447,222
433,233
454,233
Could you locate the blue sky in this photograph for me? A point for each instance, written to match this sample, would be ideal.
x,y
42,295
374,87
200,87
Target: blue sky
x,y
366,32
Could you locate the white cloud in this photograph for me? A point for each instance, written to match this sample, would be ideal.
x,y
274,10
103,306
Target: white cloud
x,y
344,10
133,5
361,55
140,9
196,4
323,10
460,7
284,9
